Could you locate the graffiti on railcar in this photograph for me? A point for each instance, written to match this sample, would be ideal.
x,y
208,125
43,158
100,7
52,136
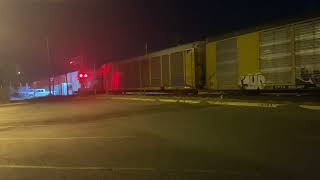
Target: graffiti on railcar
x,y
252,81
211,80
309,75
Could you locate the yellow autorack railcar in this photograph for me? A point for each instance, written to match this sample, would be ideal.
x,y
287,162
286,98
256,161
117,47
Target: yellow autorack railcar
x,y
283,57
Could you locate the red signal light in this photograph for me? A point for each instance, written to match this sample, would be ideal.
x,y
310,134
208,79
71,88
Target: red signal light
x,y
83,75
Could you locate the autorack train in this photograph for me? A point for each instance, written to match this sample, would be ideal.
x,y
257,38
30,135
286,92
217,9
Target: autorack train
x,y
285,57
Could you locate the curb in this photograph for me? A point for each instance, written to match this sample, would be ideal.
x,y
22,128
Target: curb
x,y
211,102
247,104
190,101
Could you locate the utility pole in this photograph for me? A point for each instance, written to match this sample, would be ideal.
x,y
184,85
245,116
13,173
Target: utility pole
x,y
146,48
50,66
67,84
95,78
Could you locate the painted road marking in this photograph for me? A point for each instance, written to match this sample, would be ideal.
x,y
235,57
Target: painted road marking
x,y
168,100
65,138
37,125
317,108
12,104
134,99
119,170
93,168
190,101
9,166
310,137
4,166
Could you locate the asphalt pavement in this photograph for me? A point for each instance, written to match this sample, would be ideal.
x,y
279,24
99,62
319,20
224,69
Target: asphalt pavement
x,y
121,139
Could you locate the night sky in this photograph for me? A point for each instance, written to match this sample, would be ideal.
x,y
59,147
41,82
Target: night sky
x,y
109,30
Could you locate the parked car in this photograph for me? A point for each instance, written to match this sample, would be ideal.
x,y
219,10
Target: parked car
x,y
41,93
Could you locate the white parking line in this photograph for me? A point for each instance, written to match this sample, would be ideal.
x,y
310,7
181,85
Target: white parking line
x,y
65,138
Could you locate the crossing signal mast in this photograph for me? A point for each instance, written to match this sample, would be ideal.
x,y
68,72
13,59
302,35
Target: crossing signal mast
x,y
77,63
82,76
86,77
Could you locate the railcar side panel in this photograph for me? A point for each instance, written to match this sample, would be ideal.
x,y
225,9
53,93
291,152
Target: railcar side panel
x,y
276,56
145,73
307,53
189,68
211,80
155,65
177,69
132,72
227,64
248,59
166,71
